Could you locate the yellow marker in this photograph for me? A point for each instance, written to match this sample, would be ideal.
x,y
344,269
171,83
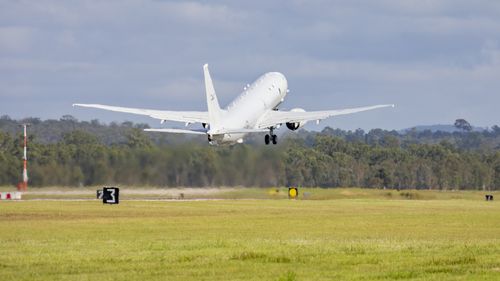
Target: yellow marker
x,y
292,192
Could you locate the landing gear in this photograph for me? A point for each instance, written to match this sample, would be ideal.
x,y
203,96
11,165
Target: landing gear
x,y
210,139
271,137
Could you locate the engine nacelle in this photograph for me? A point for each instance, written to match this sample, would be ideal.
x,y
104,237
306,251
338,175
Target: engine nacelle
x,y
205,125
295,125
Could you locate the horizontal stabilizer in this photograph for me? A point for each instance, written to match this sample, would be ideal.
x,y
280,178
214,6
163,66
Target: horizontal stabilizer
x,y
178,131
203,132
243,131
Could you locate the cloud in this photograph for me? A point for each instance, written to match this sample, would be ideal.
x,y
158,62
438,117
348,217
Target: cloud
x,y
423,55
44,66
15,38
201,13
192,90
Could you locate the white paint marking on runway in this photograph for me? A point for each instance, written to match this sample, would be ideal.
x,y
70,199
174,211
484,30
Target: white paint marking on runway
x,y
139,200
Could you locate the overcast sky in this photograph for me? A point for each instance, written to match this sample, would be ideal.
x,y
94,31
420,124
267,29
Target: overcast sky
x,y
436,60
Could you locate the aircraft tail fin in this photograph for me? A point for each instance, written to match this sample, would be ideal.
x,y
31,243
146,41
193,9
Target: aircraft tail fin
x,y
214,111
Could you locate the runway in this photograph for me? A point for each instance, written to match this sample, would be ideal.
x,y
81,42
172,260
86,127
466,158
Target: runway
x,y
121,200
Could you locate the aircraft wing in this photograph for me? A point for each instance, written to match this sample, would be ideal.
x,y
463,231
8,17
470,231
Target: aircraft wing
x,y
179,116
273,118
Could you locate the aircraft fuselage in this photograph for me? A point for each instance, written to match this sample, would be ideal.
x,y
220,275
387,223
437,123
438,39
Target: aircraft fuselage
x,y
260,97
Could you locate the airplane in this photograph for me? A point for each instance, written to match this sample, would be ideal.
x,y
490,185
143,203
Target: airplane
x,y
255,110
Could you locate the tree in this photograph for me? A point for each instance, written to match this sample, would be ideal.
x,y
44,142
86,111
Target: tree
x,y
89,153
69,118
463,125
137,139
496,130
79,138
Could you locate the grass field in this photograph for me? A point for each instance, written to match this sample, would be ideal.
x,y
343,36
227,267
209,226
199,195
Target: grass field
x,y
379,237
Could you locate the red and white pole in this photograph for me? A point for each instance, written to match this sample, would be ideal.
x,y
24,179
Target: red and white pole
x,y
24,185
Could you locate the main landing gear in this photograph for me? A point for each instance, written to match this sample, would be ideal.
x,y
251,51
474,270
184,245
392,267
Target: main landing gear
x,y
271,137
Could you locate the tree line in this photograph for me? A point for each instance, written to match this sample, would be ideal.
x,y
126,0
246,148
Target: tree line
x,y
331,158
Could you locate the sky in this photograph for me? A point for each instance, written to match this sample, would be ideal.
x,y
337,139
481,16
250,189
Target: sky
x,y
437,60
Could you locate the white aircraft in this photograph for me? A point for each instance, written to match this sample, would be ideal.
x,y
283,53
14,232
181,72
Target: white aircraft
x,y
253,111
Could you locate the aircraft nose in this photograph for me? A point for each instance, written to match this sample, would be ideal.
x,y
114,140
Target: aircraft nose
x,y
283,82
280,76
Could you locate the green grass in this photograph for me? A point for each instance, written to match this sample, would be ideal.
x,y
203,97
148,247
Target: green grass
x,y
344,239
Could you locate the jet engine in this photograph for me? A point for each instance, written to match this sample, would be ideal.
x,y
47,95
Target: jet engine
x,y
295,125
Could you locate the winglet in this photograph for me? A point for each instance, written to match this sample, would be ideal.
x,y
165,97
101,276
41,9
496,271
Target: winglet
x,y
214,110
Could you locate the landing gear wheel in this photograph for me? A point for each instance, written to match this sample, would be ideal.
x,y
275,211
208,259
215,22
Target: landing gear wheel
x,y
274,139
267,139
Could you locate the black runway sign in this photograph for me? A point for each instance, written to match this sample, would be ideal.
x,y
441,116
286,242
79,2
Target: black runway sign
x,y
99,194
110,195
